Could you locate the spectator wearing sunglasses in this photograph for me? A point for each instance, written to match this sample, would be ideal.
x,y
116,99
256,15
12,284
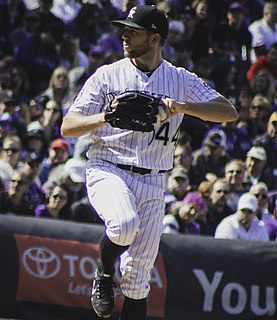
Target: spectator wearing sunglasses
x,y
243,224
10,157
12,201
57,204
260,191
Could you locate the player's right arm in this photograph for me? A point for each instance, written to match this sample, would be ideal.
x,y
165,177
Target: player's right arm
x,y
75,124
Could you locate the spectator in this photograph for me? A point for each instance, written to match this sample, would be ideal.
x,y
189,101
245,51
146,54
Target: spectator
x,y
268,141
66,10
238,141
231,40
201,36
264,31
10,157
96,56
243,224
31,168
39,57
13,201
259,113
177,188
260,191
86,25
59,88
70,54
182,156
57,206
31,22
11,114
35,139
217,207
184,220
267,61
211,158
263,83
234,175
257,169
58,154
36,106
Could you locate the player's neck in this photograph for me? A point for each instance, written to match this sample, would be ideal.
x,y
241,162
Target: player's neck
x,y
146,63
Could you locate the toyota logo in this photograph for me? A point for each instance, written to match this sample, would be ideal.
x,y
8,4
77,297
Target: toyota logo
x,y
41,262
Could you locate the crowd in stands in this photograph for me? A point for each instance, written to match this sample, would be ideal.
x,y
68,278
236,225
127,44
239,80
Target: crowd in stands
x,y
224,177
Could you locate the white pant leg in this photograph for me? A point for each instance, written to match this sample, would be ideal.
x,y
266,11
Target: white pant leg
x,y
137,262
114,203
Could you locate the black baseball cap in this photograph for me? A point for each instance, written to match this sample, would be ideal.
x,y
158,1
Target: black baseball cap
x,y
147,17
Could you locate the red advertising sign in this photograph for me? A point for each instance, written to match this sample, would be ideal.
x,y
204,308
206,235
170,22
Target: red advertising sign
x,y
60,272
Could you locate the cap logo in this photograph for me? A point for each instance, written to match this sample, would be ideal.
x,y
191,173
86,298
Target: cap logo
x,y
132,12
154,26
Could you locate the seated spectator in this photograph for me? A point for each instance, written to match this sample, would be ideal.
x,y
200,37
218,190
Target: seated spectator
x,y
238,141
211,158
35,139
39,57
70,54
264,31
267,61
183,222
234,175
231,37
243,224
11,114
31,168
177,188
257,169
57,206
217,207
263,83
12,201
182,157
268,141
36,106
58,154
59,88
259,113
96,56
260,191
10,157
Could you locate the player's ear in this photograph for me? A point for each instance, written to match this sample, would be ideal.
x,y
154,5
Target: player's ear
x,y
156,38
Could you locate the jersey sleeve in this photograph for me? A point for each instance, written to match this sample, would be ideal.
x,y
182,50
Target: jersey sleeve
x,y
91,98
199,91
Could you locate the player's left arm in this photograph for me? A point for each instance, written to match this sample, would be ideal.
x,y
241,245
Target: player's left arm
x,y
217,110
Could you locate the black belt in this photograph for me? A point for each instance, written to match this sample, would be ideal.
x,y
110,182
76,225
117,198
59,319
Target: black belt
x,y
141,171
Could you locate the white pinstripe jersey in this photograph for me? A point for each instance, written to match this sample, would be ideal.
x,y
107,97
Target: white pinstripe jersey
x,y
152,150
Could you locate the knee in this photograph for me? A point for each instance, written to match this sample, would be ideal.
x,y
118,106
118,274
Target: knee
x,y
123,233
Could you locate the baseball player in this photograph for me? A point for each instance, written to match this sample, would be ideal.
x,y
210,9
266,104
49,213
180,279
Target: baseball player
x,y
126,168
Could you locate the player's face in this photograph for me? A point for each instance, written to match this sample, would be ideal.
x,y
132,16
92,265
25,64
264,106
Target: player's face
x,y
136,42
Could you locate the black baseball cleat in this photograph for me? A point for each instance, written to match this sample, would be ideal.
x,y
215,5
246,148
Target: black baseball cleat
x,y
102,295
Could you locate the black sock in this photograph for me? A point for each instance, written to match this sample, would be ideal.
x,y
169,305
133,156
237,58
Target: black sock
x,y
134,309
109,252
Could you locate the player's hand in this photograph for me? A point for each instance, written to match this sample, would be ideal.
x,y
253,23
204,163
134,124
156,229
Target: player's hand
x,y
169,107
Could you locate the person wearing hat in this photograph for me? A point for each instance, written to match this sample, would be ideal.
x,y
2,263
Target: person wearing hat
x,y
31,168
268,141
58,154
243,224
128,167
257,169
228,38
210,159
35,139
